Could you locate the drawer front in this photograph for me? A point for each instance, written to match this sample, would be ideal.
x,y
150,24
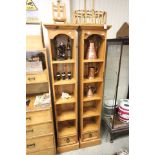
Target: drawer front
x,y
40,129
40,143
38,117
67,140
37,88
44,152
90,135
37,78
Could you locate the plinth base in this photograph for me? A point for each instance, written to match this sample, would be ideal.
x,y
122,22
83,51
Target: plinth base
x,y
89,143
66,148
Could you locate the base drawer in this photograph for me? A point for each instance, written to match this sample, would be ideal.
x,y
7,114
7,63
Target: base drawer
x,y
38,117
39,143
67,140
90,135
44,152
40,129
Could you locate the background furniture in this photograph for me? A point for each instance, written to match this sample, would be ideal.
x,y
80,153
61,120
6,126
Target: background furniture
x,y
40,137
66,112
117,85
90,107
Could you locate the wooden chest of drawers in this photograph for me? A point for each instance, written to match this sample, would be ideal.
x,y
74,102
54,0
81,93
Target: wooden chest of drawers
x,y
40,138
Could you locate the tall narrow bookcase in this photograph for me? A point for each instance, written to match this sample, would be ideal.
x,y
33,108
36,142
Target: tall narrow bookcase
x,y
66,111
91,106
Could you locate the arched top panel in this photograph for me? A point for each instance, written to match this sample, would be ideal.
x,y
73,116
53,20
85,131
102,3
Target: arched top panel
x,y
88,35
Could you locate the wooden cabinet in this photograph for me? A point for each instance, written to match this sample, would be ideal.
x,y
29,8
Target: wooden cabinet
x,y
63,60
40,138
39,128
92,52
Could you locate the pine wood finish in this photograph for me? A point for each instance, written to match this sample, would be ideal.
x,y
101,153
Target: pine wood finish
x,y
40,138
50,151
89,16
90,107
39,143
66,111
59,12
34,42
39,129
39,82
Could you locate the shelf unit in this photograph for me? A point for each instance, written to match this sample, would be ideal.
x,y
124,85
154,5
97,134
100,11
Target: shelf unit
x,y
90,107
39,119
66,111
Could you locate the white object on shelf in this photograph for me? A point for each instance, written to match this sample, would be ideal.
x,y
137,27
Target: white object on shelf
x,y
42,100
65,95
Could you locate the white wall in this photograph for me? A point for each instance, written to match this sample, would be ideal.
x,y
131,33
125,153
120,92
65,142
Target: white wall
x,y
117,12
45,15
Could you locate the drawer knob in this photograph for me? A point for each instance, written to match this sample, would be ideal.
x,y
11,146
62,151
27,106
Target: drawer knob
x,y
28,118
31,130
90,135
67,140
30,145
31,78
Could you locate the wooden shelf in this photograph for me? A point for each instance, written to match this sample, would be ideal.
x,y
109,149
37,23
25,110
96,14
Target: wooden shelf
x,y
67,115
64,82
90,127
64,101
95,97
63,61
90,112
31,106
67,131
92,60
97,79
